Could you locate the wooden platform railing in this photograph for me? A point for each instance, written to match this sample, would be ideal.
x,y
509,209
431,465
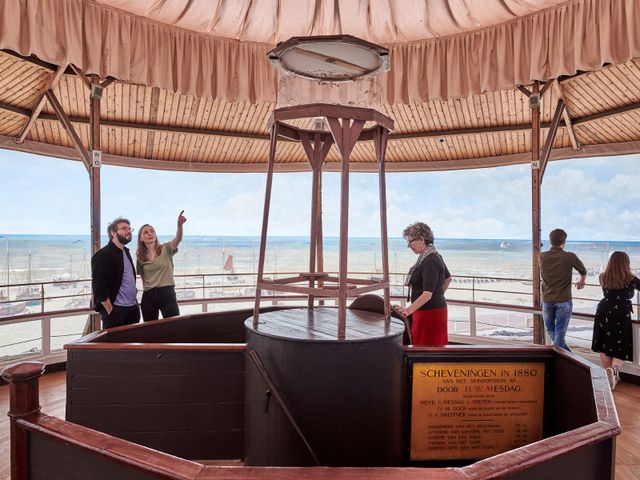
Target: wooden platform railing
x,y
47,447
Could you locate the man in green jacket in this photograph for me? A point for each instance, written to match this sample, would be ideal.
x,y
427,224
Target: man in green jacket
x,y
556,269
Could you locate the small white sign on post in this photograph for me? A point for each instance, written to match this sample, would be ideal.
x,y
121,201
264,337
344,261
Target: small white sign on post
x,y
96,158
535,165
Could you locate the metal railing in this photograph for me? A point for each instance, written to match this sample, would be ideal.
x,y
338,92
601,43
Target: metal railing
x,y
36,319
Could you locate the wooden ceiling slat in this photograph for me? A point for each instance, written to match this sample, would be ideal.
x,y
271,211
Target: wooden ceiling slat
x,y
628,91
484,119
196,152
587,135
126,112
191,114
244,149
457,147
213,148
425,115
584,92
492,112
586,95
231,123
242,117
175,113
409,148
462,118
82,95
213,119
136,103
202,115
24,90
613,97
12,74
476,106
205,150
407,117
119,90
48,133
620,125
224,149
604,132
630,78
11,123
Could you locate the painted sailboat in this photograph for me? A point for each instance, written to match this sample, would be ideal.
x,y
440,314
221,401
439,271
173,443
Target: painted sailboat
x,y
230,270
30,294
10,307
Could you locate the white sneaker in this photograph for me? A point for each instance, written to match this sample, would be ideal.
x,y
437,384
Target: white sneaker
x,y
616,374
611,376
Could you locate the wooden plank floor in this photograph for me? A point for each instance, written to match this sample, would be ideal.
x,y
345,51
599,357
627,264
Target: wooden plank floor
x,y
627,397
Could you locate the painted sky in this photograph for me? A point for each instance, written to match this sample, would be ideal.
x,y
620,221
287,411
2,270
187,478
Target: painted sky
x,y
593,199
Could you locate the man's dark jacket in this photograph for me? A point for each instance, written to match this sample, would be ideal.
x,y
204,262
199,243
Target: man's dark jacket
x,y
107,268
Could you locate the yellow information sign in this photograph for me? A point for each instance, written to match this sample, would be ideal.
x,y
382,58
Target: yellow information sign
x,y
474,410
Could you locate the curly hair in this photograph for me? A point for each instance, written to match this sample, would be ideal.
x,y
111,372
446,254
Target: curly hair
x,y
417,231
113,226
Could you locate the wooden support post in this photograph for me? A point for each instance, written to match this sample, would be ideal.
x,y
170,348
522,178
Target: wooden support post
x,y
95,142
265,222
538,330
380,142
345,135
320,243
344,232
313,241
95,146
316,153
23,401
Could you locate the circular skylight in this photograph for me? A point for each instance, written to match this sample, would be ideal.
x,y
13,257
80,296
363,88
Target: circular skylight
x,y
336,58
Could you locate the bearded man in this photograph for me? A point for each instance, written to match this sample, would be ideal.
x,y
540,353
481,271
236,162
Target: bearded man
x,y
113,278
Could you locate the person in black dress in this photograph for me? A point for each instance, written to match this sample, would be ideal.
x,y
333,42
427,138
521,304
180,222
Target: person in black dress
x,y
612,333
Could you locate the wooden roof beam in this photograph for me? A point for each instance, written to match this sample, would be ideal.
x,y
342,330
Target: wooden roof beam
x,y
566,115
71,131
81,75
260,136
551,136
39,105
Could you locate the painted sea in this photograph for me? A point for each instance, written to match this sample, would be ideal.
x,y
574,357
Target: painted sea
x,y
494,271
42,258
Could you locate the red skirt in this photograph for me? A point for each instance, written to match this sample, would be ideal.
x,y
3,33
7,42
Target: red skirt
x,y
430,327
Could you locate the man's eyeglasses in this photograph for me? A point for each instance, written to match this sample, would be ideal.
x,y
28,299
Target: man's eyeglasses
x,y
124,229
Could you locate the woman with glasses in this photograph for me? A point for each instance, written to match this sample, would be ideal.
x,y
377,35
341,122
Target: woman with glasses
x,y
155,267
427,280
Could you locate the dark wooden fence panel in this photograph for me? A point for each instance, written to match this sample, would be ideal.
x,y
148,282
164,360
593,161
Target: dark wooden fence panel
x,y
571,388
591,462
186,403
51,459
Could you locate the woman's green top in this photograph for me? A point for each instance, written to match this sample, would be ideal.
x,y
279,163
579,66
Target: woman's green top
x,y
159,271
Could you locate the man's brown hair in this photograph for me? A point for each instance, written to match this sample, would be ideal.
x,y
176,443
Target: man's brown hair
x,y
558,237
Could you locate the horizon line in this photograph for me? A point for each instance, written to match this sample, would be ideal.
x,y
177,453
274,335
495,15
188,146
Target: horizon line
x,y
6,235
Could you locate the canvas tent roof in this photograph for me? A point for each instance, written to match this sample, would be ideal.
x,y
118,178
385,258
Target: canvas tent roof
x,y
193,89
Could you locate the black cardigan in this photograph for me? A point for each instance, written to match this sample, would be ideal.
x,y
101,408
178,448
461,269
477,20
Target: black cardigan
x,y
107,268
